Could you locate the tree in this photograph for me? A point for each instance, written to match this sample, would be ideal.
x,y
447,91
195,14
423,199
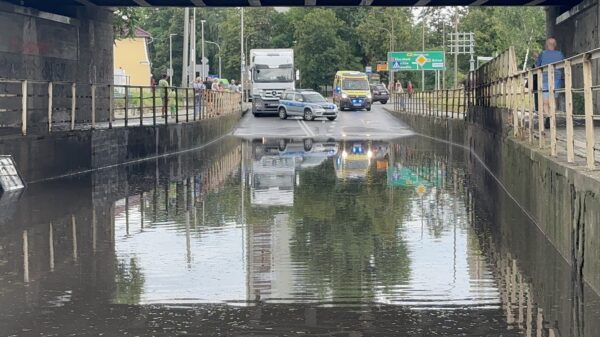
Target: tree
x,y
320,51
125,20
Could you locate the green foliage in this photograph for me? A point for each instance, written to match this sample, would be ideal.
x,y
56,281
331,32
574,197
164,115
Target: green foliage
x,y
125,20
320,49
329,39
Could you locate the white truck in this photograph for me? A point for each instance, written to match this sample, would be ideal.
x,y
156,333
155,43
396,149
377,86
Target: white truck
x,y
271,73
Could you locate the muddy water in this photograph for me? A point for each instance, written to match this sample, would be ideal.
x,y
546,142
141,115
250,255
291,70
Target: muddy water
x,y
274,237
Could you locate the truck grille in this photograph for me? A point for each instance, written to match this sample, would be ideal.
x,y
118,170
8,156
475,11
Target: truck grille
x,y
272,93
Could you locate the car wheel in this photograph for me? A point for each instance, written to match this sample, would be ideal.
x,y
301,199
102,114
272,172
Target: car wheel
x,y
369,108
331,118
383,102
282,145
308,144
282,113
308,115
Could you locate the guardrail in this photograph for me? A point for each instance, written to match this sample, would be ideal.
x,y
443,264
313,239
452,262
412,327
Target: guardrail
x,y
74,106
500,85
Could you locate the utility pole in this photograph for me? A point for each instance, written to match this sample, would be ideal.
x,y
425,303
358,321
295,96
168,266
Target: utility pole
x,y
203,65
444,44
455,49
186,44
423,49
242,55
171,59
391,72
192,68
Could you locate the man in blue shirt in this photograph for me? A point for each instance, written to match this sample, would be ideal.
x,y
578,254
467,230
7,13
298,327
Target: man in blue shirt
x,y
548,56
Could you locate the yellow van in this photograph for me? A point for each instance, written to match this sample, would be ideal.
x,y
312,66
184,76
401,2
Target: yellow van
x,y
351,90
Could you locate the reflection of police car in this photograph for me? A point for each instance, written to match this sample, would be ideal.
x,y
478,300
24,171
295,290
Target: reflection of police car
x,y
306,103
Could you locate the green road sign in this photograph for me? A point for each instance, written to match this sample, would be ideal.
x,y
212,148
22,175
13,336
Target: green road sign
x,y
416,60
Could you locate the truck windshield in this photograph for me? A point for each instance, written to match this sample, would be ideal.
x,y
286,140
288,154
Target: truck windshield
x,y
355,84
264,74
314,98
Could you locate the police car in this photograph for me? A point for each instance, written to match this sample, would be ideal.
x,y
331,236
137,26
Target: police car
x,y
306,103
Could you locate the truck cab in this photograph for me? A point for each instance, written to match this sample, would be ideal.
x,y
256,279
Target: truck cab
x,y
271,73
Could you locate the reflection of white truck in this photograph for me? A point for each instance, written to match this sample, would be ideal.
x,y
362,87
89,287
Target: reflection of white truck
x,y
271,73
272,181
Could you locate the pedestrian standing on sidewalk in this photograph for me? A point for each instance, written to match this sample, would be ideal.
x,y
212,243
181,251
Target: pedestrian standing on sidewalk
x,y
548,56
199,88
410,89
400,93
163,87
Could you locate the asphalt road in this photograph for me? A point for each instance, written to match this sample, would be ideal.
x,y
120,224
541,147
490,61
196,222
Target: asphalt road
x,y
376,124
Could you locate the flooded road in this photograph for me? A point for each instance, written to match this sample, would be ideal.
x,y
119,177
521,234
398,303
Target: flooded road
x,y
284,237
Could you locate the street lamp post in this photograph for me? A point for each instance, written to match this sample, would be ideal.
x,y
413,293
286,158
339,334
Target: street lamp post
x,y
171,59
246,44
219,47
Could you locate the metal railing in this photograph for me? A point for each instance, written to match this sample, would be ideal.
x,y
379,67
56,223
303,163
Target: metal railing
x,y
530,106
519,92
450,103
59,106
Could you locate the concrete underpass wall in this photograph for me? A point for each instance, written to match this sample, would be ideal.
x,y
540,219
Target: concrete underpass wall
x,y
76,46
563,201
59,153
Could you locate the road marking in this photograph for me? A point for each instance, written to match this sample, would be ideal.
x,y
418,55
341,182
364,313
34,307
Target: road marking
x,y
306,128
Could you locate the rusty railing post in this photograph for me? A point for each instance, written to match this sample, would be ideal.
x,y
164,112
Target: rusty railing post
x,y
111,100
24,98
540,94
552,108
153,106
569,111
73,104
141,106
50,102
176,105
589,111
126,106
93,93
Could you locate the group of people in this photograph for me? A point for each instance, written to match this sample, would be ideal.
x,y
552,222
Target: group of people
x,y
397,87
200,87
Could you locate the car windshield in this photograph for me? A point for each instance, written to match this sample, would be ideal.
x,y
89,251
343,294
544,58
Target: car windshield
x,y
314,98
263,73
355,84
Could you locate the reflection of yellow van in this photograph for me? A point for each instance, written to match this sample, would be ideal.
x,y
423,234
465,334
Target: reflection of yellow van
x,y
351,90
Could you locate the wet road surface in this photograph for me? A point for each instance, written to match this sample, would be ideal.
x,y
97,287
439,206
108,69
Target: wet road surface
x,y
352,233
358,125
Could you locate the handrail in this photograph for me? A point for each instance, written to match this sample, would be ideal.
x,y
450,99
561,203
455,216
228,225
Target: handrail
x,y
515,93
83,106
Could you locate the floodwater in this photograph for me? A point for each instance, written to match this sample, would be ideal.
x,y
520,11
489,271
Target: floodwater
x,y
274,237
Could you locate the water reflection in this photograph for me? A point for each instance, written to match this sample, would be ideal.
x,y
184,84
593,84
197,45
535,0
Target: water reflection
x,y
277,237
